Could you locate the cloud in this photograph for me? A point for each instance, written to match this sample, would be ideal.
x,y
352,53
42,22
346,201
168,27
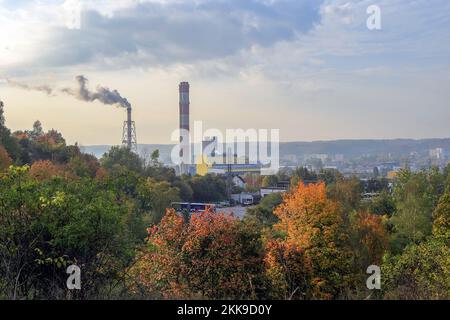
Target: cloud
x,y
159,33
289,41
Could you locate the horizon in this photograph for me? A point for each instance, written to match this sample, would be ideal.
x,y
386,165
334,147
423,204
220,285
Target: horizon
x,y
299,141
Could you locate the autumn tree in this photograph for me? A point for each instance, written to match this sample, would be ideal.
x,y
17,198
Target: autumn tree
x,y
370,241
288,269
5,160
45,170
213,256
157,269
312,225
220,264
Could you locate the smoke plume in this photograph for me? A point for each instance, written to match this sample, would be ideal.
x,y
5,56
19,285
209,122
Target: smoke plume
x,y
81,92
43,88
102,94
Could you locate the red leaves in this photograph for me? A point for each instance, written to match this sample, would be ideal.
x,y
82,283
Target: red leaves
x,y
202,258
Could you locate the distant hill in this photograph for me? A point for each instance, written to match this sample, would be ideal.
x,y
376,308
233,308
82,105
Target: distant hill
x,y
348,148
143,150
355,148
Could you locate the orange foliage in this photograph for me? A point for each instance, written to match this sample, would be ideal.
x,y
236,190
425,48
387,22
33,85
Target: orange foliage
x,y
158,266
21,135
200,259
288,269
5,160
307,212
44,170
216,266
101,174
372,237
313,229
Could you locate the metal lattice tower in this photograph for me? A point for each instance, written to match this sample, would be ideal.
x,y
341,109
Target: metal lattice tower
x,y
129,133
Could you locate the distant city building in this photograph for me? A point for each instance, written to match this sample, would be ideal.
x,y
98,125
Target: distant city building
x,y
210,161
269,190
284,184
322,156
243,198
436,154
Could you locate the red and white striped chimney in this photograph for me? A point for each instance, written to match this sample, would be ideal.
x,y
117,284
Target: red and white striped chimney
x,y
184,122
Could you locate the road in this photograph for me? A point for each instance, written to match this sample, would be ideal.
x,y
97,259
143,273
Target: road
x,y
238,211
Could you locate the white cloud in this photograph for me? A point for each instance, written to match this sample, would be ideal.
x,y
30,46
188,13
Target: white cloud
x,y
149,33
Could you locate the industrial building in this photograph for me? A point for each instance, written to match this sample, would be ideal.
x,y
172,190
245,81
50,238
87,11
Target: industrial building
x,y
209,161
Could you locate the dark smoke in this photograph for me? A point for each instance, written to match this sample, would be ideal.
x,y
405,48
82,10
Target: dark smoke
x,y
102,94
81,92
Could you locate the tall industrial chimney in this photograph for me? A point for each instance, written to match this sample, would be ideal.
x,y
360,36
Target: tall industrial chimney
x,y
129,132
129,128
184,125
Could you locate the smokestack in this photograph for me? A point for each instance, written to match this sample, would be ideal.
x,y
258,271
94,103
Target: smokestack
x,y
184,123
129,132
101,94
184,106
129,141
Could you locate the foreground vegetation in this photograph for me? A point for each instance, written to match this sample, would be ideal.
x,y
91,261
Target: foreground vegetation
x,y
59,206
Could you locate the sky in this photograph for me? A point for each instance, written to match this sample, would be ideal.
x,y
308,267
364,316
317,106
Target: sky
x,y
307,67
